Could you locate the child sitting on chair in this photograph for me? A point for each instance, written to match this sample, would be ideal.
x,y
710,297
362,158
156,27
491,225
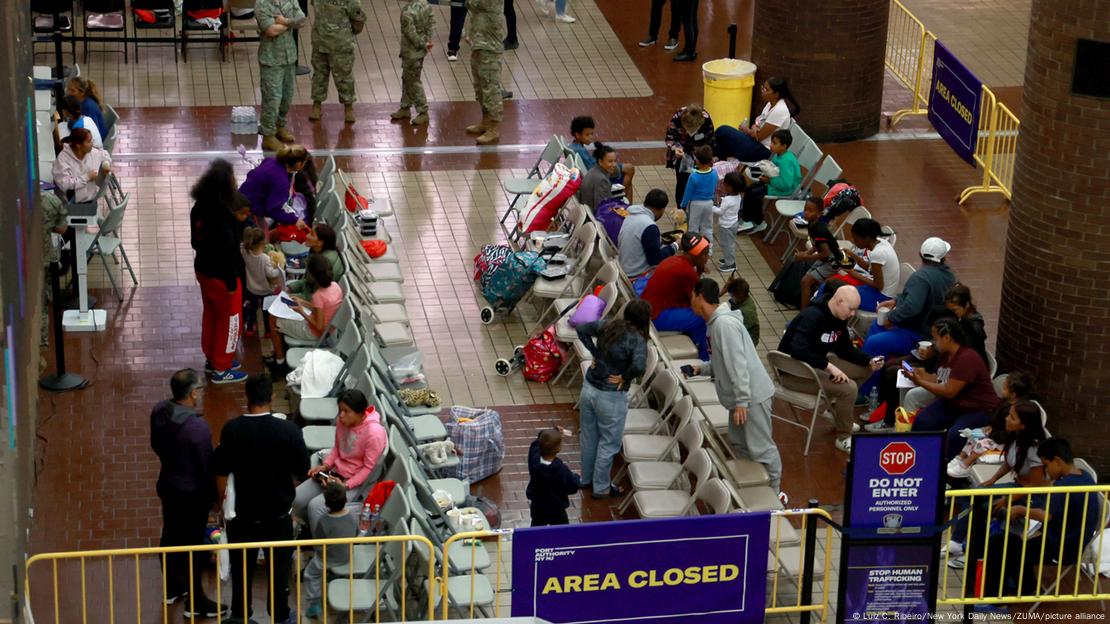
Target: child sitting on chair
x,y
338,523
264,275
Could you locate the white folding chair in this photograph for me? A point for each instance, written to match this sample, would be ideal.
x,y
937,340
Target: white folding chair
x,y
815,401
675,503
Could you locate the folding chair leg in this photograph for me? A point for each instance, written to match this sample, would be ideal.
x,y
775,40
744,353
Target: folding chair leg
x,y
789,249
127,263
111,278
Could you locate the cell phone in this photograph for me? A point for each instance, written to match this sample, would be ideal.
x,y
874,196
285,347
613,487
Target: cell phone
x,y
878,359
906,366
322,476
687,370
289,302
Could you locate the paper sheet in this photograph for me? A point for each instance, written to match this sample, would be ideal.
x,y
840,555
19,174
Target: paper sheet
x,y
277,308
903,381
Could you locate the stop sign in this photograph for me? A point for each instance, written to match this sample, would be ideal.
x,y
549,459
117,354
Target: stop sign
x,y
897,458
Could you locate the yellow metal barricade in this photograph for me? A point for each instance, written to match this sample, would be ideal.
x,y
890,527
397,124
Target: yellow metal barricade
x,y
996,148
472,541
104,570
909,57
1016,535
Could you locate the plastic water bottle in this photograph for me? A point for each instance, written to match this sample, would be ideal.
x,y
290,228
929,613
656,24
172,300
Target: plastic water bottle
x,y
873,400
365,519
376,521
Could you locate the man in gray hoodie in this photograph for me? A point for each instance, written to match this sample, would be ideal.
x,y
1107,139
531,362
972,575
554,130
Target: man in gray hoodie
x,y
742,383
640,243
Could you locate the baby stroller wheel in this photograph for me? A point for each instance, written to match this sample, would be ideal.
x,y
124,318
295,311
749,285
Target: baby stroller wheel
x,y
487,315
503,367
518,351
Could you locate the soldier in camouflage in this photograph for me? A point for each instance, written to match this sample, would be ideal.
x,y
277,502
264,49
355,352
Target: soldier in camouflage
x,y
418,25
333,52
486,32
54,221
277,60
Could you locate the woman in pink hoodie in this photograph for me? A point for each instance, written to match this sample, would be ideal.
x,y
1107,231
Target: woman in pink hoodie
x,y
359,442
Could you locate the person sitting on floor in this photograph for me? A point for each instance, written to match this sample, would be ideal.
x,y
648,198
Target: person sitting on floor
x,y
639,245
670,287
321,242
316,314
1068,523
582,133
360,441
959,396
819,337
908,316
79,166
879,271
597,185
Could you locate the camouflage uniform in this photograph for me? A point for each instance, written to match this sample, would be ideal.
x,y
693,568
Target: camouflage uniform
x,y
333,47
487,42
54,215
418,25
277,60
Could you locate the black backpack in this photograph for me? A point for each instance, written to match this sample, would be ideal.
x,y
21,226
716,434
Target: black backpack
x,y
787,286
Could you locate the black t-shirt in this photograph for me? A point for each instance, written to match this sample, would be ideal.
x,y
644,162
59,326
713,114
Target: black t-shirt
x,y
819,233
265,454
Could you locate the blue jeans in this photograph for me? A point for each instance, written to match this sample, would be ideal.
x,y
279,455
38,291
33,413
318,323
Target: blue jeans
x,y
732,142
560,7
891,342
684,320
601,417
870,298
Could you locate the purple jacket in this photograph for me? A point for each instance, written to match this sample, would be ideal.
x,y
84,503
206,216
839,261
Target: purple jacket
x,y
183,442
267,188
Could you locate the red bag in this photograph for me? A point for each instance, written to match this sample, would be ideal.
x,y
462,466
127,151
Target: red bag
x,y
542,356
374,248
199,14
548,198
355,201
285,233
380,493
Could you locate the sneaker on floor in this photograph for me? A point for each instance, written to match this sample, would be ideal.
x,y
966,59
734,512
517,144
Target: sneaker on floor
x,y
722,266
648,41
784,499
173,597
313,611
227,377
208,368
547,6
759,228
878,426
685,57
566,19
614,492
206,608
744,227
844,444
452,55
855,427
292,619
671,44
957,563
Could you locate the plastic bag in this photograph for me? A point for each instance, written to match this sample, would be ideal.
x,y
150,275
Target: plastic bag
x,y
407,366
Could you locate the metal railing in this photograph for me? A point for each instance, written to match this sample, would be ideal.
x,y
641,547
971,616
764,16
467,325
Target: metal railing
x,y
1000,526
104,574
996,148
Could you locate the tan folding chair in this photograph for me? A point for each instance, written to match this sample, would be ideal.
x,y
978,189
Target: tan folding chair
x,y
814,402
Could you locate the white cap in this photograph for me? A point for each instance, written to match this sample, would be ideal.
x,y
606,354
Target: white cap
x,y
935,249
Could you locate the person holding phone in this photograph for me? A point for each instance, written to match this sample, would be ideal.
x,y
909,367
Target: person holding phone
x,y
316,314
79,166
360,441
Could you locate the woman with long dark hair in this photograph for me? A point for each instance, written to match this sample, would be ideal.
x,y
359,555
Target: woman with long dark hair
x,y
753,143
215,222
958,302
619,347
270,186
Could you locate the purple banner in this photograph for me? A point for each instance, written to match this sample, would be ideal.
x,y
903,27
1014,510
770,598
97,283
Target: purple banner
x,y
955,95
895,481
891,582
704,569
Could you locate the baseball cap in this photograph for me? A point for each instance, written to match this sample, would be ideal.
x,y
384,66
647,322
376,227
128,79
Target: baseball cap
x,y
935,249
694,243
616,191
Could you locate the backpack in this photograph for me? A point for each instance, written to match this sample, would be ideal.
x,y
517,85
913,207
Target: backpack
x,y
841,198
542,356
787,286
608,217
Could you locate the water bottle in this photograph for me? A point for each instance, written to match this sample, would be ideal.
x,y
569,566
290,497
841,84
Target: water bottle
x,y
376,520
873,400
365,518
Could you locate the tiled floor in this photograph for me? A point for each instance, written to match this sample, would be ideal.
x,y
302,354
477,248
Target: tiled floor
x,y
95,472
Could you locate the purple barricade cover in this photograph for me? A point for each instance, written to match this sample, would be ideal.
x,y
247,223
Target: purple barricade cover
x,y
955,95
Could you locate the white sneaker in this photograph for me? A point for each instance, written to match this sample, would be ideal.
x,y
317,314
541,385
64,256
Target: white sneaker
x,y
566,19
784,499
878,427
546,6
952,548
759,228
452,57
744,226
957,563
957,469
855,427
844,444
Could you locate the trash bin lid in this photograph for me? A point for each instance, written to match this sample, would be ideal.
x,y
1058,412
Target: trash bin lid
x,y
728,69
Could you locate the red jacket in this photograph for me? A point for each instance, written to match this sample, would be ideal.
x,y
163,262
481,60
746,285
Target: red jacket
x,y
671,285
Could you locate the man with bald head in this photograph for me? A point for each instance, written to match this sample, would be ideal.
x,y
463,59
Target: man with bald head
x,y
819,337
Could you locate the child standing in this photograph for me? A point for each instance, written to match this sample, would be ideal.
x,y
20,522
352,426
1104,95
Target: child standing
x,y
740,298
417,28
729,211
697,200
337,524
263,275
825,254
550,482
788,179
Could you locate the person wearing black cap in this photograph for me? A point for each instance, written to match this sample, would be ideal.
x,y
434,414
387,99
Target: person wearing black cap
x,y
671,286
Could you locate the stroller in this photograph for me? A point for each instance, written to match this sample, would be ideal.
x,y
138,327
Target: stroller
x,y
504,277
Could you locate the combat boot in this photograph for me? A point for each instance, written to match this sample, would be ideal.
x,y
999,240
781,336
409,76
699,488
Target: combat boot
x,y
284,135
479,128
401,113
270,143
491,135
349,113
421,119
316,112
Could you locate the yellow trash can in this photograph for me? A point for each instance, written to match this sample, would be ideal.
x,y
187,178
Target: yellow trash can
x,y
728,91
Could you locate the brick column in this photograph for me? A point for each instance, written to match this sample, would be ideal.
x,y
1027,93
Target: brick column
x,y
1055,317
831,52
